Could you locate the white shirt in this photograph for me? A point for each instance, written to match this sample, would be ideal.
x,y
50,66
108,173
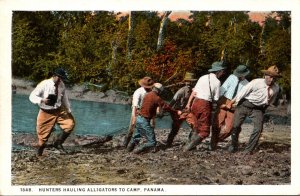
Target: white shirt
x,y
46,87
202,87
256,92
138,97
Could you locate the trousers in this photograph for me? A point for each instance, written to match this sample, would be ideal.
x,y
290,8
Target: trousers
x,y
46,121
256,114
144,129
201,120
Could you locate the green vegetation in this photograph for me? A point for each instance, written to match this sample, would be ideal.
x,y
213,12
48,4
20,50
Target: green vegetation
x,y
96,47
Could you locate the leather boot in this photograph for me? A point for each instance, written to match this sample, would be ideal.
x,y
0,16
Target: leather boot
x,y
40,150
171,137
234,140
195,140
130,146
60,140
127,139
213,140
190,135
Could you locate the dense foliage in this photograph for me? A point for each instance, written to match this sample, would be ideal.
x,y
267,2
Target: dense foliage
x,y
93,46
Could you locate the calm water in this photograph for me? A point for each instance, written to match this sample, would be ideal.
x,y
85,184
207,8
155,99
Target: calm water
x,y
91,117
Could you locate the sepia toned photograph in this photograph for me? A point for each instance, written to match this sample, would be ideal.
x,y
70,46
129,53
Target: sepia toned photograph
x,y
148,101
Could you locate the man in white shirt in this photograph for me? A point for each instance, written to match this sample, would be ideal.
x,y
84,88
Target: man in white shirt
x,y
223,118
50,95
252,101
204,93
146,84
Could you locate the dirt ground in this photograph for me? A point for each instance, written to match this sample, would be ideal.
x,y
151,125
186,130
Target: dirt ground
x,y
108,163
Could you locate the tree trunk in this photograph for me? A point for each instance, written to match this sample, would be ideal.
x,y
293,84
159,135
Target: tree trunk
x,y
162,30
114,47
262,41
131,24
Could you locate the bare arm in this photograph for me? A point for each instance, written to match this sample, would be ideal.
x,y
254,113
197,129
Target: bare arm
x,y
190,101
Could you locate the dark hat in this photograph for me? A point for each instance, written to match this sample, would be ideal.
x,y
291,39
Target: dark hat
x,y
146,82
272,71
189,77
60,72
241,71
217,66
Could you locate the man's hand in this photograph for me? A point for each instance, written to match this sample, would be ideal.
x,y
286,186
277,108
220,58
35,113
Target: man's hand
x,y
179,112
223,106
229,105
152,122
45,101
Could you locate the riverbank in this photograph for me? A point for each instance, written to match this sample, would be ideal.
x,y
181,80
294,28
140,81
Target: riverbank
x,y
77,92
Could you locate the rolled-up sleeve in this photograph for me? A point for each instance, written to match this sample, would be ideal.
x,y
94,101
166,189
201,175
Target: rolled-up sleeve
x,y
36,95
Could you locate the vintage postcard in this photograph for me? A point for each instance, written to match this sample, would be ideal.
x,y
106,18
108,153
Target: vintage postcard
x,y
149,97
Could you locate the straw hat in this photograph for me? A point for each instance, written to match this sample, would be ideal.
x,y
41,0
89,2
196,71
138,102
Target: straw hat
x,y
272,71
241,71
189,77
146,82
217,66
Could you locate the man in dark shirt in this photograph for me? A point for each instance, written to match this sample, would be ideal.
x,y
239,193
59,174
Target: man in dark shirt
x,y
179,102
151,103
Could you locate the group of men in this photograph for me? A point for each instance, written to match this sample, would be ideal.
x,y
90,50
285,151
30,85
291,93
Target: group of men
x,y
236,99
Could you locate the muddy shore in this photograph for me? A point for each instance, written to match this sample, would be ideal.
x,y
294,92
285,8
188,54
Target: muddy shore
x,y
108,163
93,161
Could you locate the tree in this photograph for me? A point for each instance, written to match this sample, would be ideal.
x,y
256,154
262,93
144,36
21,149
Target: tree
x,y
100,46
162,30
34,36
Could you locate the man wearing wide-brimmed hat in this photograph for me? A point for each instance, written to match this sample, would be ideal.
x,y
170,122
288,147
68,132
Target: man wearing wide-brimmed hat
x,y
146,84
223,118
200,102
151,102
179,102
51,96
252,101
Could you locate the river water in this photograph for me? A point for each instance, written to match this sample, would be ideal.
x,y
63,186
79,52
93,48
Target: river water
x,y
92,118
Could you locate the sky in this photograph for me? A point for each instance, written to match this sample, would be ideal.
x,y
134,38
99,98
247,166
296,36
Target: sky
x,y
254,16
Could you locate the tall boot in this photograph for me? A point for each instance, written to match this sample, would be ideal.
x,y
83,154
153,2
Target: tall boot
x,y
130,146
190,135
60,140
195,140
214,139
40,150
234,140
171,136
127,139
